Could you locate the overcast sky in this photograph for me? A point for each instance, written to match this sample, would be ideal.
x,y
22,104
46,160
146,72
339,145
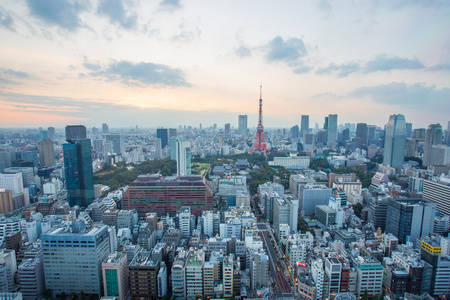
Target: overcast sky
x,y
177,62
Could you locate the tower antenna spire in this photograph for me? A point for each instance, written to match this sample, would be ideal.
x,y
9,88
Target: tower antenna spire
x,y
260,90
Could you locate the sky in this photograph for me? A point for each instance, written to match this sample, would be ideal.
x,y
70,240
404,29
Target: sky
x,y
178,62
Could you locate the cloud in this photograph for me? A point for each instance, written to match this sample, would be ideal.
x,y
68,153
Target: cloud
x,y
170,5
185,35
142,73
342,70
302,69
381,62
327,95
65,14
243,51
385,63
116,13
17,74
6,20
286,51
440,67
9,76
399,93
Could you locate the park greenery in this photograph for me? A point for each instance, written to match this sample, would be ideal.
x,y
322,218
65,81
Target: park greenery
x,y
122,173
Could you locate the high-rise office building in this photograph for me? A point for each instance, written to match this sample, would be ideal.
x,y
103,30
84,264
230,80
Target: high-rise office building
x,y
304,125
172,132
73,260
295,133
78,172
362,133
243,124
395,141
227,128
439,193
75,132
105,128
448,134
433,137
183,157
51,133
46,153
118,145
411,218
162,133
332,126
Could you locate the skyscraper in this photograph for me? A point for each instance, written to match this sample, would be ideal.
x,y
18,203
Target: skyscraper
x,y
118,145
51,134
304,126
395,141
105,128
362,133
448,134
73,259
227,128
183,156
432,137
78,172
162,133
46,153
75,132
243,124
332,130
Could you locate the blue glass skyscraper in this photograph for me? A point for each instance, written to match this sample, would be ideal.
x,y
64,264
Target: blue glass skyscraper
x,y
78,172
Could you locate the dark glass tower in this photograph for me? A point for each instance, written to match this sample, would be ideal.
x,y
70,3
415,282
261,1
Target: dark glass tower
x,y
78,172
162,133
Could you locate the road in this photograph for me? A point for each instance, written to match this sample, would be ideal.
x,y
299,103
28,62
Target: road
x,y
283,289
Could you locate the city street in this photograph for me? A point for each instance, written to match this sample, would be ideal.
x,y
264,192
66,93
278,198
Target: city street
x,y
283,288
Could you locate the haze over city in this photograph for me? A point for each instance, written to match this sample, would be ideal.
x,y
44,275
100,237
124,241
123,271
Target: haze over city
x,y
174,62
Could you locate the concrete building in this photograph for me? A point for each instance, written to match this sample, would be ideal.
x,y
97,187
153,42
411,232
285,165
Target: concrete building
x,y
143,272
31,277
304,126
166,195
179,275
72,259
370,275
311,195
438,191
183,157
185,221
333,272
46,153
194,274
259,270
285,212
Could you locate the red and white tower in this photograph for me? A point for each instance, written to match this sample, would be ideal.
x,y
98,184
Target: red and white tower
x,y
260,143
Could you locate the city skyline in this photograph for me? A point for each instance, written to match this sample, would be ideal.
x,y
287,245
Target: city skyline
x,y
123,63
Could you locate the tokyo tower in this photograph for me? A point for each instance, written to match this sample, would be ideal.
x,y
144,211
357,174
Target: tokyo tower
x,y
260,143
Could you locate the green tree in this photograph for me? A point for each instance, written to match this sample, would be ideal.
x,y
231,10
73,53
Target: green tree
x,y
73,296
357,208
91,297
62,296
81,295
166,171
365,296
47,293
